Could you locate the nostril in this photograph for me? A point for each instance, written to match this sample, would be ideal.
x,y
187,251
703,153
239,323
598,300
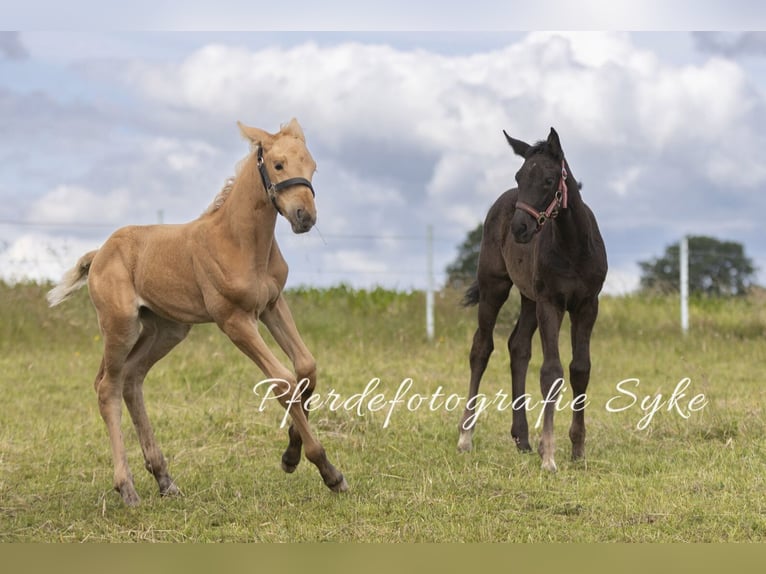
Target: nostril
x,y
300,214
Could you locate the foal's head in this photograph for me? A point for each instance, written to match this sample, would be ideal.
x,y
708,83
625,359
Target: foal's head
x,y
542,185
286,168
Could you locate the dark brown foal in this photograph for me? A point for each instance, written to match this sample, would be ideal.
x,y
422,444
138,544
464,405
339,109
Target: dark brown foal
x,y
543,238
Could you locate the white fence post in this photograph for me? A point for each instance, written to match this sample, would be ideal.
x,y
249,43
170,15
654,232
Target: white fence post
x,y
684,272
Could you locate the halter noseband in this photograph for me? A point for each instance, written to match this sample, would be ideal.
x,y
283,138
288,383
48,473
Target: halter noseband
x,y
552,211
273,188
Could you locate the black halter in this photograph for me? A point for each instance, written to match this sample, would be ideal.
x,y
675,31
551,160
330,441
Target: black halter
x,y
273,188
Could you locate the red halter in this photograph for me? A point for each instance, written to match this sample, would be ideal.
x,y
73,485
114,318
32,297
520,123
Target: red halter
x,y
559,201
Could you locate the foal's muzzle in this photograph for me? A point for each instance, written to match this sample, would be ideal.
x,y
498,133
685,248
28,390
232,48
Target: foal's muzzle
x,y
301,220
523,227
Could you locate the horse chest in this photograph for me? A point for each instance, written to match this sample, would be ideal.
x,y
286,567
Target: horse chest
x,y
557,279
253,291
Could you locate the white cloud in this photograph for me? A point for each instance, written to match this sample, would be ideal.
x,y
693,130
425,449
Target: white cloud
x,y
75,204
181,155
599,86
626,181
39,256
404,138
622,281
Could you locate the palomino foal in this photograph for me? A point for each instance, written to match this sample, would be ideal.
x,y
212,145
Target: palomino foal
x,y
150,284
543,238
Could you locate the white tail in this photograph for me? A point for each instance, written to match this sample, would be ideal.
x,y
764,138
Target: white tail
x,y
72,280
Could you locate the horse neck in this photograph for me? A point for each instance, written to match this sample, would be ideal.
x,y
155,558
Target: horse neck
x,y
247,213
573,225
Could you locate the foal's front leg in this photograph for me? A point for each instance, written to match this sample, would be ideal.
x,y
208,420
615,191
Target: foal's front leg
x,y
549,318
279,320
520,350
583,321
241,327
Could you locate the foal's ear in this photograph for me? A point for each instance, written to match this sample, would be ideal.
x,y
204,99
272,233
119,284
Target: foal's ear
x,y
555,145
519,147
293,128
255,135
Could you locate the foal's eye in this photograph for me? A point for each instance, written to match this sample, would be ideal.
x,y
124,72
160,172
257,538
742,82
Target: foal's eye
x,y
548,181
279,166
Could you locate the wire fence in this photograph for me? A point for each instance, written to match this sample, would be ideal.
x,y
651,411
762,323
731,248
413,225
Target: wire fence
x,y
62,247
49,261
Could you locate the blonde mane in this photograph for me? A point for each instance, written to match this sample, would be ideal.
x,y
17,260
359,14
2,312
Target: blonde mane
x,y
228,185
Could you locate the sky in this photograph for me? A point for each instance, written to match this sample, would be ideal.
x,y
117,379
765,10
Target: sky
x,y
103,128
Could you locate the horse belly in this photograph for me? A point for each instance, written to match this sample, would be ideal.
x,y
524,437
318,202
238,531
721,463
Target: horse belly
x,y
179,308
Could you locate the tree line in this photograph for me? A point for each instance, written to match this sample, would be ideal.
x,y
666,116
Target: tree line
x,y
717,268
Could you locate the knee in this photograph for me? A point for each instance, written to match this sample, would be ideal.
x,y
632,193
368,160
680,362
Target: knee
x,y
519,350
130,390
305,368
552,368
482,347
579,367
109,398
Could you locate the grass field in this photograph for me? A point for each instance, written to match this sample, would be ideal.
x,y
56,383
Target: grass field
x,y
699,478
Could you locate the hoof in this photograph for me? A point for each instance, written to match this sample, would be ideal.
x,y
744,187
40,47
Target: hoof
x,y
170,490
129,494
550,466
290,461
465,443
340,486
522,444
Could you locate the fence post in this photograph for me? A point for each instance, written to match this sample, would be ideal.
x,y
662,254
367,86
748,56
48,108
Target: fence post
x,y
430,287
684,278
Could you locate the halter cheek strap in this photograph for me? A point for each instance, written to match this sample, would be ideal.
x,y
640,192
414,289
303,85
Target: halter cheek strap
x,y
273,188
551,212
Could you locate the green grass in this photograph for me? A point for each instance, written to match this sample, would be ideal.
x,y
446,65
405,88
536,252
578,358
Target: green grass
x,y
698,479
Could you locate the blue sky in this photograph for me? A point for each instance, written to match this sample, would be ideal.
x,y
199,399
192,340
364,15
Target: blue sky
x,y
106,128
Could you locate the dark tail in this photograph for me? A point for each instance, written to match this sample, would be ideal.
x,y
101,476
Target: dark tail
x,y
471,296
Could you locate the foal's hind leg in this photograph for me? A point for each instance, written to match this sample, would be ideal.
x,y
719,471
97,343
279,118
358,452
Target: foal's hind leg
x,y
520,350
492,295
158,337
120,332
281,325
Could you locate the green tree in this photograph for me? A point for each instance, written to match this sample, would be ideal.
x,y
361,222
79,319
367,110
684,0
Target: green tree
x,y
462,271
716,268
